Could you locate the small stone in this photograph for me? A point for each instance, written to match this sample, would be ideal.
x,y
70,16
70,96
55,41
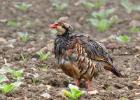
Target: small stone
x,y
49,87
46,95
2,40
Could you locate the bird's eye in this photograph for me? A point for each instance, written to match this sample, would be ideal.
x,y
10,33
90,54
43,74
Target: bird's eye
x,y
63,26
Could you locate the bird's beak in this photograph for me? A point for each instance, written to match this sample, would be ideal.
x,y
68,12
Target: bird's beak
x,y
54,26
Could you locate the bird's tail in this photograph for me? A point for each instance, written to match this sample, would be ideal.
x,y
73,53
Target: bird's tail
x,y
113,69
116,72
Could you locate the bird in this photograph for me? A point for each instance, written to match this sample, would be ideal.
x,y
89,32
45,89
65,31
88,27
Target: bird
x,y
79,56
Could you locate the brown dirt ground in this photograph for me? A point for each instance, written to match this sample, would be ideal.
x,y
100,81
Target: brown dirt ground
x,y
41,14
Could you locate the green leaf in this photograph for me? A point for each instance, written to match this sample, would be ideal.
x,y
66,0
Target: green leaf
x,y
109,11
93,22
135,29
136,7
88,5
43,56
103,25
24,36
13,23
23,6
114,19
3,78
100,3
127,5
103,14
74,92
130,6
17,74
60,5
123,38
5,69
99,15
6,88
67,93
124,98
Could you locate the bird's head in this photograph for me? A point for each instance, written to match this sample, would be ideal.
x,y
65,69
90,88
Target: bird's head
x,y
62,26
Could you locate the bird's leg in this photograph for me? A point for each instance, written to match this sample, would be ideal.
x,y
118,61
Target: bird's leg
x,y
77,81
89,85
90,88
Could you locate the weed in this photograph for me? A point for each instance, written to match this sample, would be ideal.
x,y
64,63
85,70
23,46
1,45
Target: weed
x,y
3,78
9,87
129,6
17,74
6,88
74,92
123,38
24,58
88,5
124,98
134,29
24,36
60,5
13,23
43,56
100,3
23,6
101,20
95,5
5,85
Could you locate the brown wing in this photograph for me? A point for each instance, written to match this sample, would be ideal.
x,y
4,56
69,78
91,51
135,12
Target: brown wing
x,y
90,53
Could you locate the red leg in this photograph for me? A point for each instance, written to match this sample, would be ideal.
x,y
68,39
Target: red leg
x,y
89,85
77,82
90,88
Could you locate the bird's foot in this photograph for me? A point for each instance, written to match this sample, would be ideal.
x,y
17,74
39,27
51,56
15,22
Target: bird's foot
x,y
89,85
92,92
90,88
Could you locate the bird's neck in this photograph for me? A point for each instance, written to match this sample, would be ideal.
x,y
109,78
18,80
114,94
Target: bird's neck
x,y
65,35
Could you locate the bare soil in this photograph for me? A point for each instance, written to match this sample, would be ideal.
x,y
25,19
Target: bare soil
x,y
51,79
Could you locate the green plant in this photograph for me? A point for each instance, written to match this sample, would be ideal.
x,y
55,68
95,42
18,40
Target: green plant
x,y
35,78
24,58
6,88
100,3
123,38
129,6
95,5
24,36
74,92
134,29
60,4
103,14
23,6
3,78
9,87
88,5
101,21
43,56
5,69
5,85
17,74
124,98
13,23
